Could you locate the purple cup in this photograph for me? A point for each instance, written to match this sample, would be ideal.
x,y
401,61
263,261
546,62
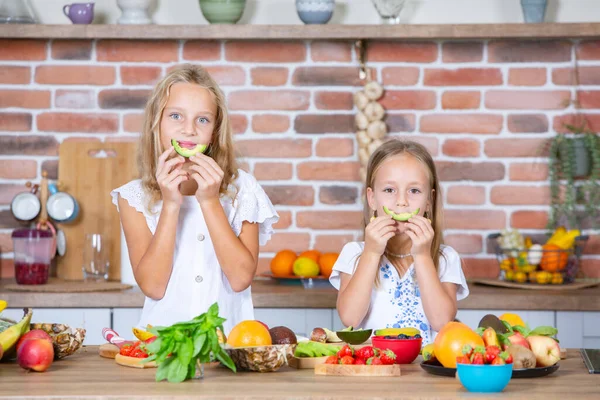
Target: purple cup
x,y
80,13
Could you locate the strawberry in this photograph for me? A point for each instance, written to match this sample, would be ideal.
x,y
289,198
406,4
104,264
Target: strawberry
x,y
347,360
387,357
332,360
359,361
498,361
478,359
467,350
491,352
506,357
374,361
364,353
463,360
346,351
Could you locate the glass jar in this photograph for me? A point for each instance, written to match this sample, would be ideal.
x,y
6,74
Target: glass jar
x,y
16,12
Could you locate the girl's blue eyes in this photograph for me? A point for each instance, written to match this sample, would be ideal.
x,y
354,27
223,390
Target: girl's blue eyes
x,y
177,117
413,191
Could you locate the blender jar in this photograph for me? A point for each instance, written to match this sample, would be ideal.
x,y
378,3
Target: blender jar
x,y
33,252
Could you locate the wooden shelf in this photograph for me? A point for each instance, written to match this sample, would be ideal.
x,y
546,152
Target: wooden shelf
x,y
338,32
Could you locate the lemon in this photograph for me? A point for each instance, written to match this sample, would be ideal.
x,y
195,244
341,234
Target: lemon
x,y
3,305
512,319
304,266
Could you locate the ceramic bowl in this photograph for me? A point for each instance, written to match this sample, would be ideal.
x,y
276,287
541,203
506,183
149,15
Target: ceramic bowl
x,y
222,11
315,11
484,378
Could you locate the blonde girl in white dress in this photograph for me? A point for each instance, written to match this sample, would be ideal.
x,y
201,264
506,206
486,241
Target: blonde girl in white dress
x,y
193,225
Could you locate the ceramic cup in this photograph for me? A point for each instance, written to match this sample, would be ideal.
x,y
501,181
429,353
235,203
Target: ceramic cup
x,y
61,206
80,13
25,206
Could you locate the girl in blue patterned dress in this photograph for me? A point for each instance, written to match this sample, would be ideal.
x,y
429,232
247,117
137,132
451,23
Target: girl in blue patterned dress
x,y
401,275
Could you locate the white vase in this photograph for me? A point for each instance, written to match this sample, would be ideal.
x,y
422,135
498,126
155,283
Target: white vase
x,y
134,12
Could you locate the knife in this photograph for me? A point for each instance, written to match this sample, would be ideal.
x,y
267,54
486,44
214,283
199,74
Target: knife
x,y
113,337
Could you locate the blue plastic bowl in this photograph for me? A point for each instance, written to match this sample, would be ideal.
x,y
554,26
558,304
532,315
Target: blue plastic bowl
x,y
484,378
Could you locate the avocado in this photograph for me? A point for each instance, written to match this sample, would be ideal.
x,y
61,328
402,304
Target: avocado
x,y
355,336
491,321
282,335
402,216
200,148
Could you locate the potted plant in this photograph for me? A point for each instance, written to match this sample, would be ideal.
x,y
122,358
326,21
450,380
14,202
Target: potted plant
x,y
574,174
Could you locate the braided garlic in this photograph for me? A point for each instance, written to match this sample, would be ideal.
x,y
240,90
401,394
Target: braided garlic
x,y
369,122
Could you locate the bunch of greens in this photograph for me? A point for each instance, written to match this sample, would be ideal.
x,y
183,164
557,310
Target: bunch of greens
x,y
179,348
315,349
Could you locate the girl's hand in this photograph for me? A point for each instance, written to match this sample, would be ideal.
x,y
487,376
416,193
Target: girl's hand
x,y
420,231
169,175
377,234
208,175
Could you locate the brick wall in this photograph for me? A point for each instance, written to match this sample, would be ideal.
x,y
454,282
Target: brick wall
x,y
483,109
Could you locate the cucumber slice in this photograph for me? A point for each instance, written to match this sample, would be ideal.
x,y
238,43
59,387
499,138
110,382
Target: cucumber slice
x,y
401,216
201,148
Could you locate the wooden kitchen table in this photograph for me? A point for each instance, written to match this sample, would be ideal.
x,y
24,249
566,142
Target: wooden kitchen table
x,y
86,375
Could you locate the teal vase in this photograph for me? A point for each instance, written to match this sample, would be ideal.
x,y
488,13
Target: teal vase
x,y
222,11
534,11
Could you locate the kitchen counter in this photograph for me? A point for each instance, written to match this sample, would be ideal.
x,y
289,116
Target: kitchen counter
x,y
269,294
86,375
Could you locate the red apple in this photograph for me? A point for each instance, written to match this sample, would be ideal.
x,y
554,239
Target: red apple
x,y
545,349
518,340
35,354
34,334
263,324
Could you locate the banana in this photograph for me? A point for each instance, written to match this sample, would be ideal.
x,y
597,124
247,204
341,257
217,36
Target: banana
x,y
11,336
3,305
142,334
397,331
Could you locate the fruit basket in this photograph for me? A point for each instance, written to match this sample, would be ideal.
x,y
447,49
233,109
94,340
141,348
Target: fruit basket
x,y
556,261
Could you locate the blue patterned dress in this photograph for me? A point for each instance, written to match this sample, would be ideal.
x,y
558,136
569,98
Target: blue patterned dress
x,y
397,303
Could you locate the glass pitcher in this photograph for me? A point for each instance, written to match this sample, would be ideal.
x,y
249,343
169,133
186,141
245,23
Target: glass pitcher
x,y
16,12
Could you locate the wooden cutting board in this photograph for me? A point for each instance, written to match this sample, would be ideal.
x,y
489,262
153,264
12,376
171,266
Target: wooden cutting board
x,y
89,170
108,350
357,370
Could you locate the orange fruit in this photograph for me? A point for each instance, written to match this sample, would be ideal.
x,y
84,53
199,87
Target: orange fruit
x,y
326,262
283,263
554,258
450,340
312,254
249,333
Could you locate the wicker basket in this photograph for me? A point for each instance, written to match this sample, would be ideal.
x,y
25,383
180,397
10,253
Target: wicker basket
x,y
515,265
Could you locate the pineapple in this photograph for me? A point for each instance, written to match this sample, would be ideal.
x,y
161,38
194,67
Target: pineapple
x,y
65,339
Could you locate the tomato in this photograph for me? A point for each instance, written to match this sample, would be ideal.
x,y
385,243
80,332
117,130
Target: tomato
x,y
126,350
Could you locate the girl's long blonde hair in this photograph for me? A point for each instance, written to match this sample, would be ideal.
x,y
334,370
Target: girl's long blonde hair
x,y
221,148
394,147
